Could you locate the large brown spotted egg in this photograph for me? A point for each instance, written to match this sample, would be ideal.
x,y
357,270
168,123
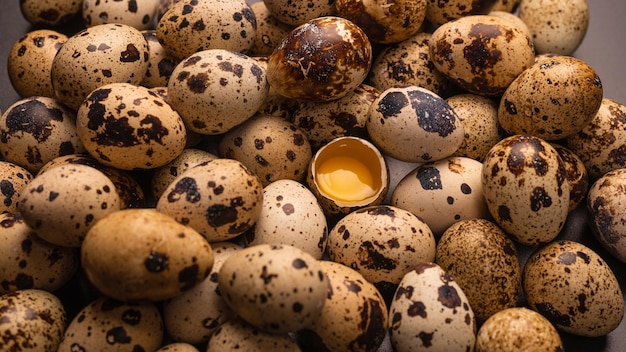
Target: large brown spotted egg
x,y
142,254
237,334
129,127
30,62
63,203
30,262
31,320
191,25
295,13
107,53
574,288
553,99
274,149
137,14
354,318
50,13
35,130
163,176
14,179
161,64
413,124
440,12
483,260
526,188
430,311
482,54
322,59
107,324
281,279
220,198
215,90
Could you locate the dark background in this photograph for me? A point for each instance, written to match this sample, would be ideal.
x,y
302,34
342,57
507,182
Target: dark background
x,y
602,48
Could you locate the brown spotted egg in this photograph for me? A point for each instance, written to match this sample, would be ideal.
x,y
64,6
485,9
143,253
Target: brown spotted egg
x,y
30,262
137,14
413,124
163,176
31,320
576,173
63,203
107,53
574,288
601,144
481,54
483,260
269,31
553,99
440,12
215,90
443,192
220,198
407,63
276,278
526,188
178,347
191,25
295,13
605,205
237,334
142,254
50,12
14,181
274,149
160,63
106,324
30,62
129,127
322,59
35,130
430,311
290,215
354,318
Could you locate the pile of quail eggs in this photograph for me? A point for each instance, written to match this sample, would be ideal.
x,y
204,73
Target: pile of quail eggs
x,y
344,175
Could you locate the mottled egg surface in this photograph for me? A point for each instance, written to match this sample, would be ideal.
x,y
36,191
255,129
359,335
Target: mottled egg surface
x,y
50,13
14,180
295,13
137,14
238,334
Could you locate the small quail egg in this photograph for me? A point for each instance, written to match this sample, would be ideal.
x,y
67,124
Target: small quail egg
x,y
50,12
574,288
576,173
237,334
160,63
438,12
178,347
142,254
269,30
275,278
14,179
295,13
137,14
163,176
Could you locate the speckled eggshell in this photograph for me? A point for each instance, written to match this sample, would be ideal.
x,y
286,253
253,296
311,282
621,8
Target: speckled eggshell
x,y
269,30
295,13
407,63
479,117
556,27
290,215
574,288
483,260
440,12
553,99
142,254
220,198
505,5
31,320
160,63
275,278
354,318
526,188
384,22
215,90
106,324
178,347
443,192
50,12
605,205
109,53
346,116
601,144
137,14
413,124
195,314
191,25
382,243
30,62
63,203
163,176
518,329
239,335
35,130
576,173
274,149
321,60
430,311
482,54
14,179
513,19
130,128
29,262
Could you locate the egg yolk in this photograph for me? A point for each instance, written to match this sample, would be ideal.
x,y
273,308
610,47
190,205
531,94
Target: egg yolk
x,y
344,178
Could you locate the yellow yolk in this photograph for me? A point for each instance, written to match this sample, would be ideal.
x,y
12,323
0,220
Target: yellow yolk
x,y
344,178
